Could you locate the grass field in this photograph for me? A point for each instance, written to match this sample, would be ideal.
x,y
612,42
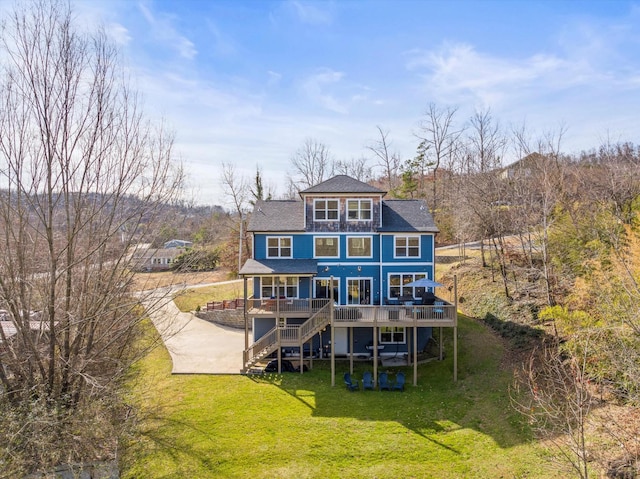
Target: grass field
x,y
298,426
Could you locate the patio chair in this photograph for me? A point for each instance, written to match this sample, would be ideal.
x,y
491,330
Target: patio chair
x,y
367,381
383,382
438,309
352,385
399,384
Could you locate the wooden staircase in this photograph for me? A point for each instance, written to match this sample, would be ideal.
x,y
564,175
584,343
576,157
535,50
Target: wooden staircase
x,y
286,336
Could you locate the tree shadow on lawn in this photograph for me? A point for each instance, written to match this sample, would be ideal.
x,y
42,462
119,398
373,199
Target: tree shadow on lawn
x,y
437,405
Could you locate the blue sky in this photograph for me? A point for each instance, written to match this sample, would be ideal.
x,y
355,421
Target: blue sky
x,y
248,81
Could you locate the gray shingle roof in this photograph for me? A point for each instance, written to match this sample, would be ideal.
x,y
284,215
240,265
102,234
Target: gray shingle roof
x,y
256,267
277,215
397,215
407,216
342,184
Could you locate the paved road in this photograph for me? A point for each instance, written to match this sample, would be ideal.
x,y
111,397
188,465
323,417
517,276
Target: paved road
x,y
197,346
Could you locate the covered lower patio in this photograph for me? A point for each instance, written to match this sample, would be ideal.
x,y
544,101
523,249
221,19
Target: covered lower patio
x,y
299,325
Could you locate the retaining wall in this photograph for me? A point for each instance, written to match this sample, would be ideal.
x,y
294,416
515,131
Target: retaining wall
x,y
232,318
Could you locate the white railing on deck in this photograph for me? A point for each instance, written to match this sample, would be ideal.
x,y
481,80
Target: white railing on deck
x,y
445,313
269,306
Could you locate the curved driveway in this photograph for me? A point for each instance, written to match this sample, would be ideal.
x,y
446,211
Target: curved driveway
x,y
197,346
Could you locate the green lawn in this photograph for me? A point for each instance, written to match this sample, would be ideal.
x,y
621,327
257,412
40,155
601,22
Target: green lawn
x,y
190,298
298,426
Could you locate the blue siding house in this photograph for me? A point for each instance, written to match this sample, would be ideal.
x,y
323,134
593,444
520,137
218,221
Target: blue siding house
x,y
334,276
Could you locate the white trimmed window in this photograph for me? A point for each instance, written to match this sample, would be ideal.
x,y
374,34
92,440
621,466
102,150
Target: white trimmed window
x,y
407,247
359,210
397,286
323,288
326,210
392,335
287,287
359,247
326,246
279,246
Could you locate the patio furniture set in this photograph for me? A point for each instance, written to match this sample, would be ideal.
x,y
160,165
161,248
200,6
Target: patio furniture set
x,y
367,382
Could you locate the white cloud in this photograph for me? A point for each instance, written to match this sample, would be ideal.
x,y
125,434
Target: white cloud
x,y
459,72
273,78
118,33
162,30
221,44
315,87
311,13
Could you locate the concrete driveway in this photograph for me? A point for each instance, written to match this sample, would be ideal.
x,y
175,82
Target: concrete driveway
x,y
197,346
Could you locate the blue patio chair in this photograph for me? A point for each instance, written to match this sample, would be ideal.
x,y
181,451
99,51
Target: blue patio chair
x,y
367,381
438,309
399,384
352,385
383,382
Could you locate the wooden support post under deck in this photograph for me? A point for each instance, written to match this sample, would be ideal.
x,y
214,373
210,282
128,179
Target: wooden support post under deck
x,y
333,346
278,325
455,329
375,352
246,323
455,353
351,351
441,344
279,349
415,353
301,353
245,357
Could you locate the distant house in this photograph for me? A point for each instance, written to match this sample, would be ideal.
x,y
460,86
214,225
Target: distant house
x,y
523,168
336,274
176,243
146,258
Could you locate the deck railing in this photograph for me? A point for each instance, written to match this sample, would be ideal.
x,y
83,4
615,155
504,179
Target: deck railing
x,y
444,313
292,334
266,306
265,343
237,303
319,319
439,313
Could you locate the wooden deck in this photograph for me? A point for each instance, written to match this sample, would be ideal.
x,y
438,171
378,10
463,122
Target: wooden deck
x,y
364,316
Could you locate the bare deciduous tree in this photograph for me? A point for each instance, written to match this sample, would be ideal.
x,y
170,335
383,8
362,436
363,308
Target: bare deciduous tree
x,y
388,160
237,190
557,400
312,163
356,168
84,175
438,138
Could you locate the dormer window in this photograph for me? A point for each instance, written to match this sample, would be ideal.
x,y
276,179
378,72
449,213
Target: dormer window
x,y
326,210
359,210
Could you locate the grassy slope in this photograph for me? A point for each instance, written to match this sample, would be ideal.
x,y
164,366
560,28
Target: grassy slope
x,y
299,426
